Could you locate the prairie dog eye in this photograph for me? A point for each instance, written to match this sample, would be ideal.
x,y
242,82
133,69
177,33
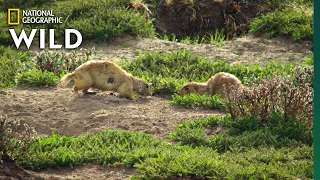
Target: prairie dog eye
x,y
186,88
147,86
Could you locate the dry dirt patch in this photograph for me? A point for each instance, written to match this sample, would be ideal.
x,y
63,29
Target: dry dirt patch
x,y
91,171
53,109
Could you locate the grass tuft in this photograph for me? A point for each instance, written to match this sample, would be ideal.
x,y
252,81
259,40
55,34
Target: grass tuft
x,y
287,22
194,100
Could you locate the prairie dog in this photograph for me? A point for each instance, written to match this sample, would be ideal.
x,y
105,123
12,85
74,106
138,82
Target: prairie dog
x,y
107,76
217,84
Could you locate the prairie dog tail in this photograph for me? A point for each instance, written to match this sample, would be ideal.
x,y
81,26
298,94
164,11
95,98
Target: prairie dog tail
x,y
66,79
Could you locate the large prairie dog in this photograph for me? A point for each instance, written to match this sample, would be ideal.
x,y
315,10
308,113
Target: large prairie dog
x,y
221,83
107,76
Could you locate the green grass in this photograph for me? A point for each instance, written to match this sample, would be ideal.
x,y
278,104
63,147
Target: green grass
x,y
289,22
106,147
261,163
309,61
244,133
19,69
218,38
156,159
11,63
194,100
292,18
37,78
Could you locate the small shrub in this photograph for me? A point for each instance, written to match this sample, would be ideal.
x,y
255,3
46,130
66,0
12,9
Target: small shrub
x,y
60,62
36,77
292,96
11,63
14,138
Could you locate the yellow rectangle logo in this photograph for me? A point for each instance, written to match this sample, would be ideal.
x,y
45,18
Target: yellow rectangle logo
x,y
9,16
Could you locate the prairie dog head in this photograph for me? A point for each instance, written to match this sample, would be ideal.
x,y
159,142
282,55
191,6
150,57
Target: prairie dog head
x,y
189,88
143,88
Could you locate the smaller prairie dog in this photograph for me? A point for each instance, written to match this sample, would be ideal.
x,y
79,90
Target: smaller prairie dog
x,y
221,83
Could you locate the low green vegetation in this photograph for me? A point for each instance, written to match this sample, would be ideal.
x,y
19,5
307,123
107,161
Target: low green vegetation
x,y
213,147
11,63
261,163
45,69
218,38
309,62
243,133
289,22
59,62
194,100
248,149
14,138
106,147
37,78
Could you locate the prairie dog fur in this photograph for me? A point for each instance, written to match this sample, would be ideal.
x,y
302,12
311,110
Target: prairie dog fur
x,y
221,83
107,76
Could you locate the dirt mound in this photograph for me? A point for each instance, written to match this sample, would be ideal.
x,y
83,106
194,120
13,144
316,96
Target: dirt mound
x,y
90,171
9,170
198,17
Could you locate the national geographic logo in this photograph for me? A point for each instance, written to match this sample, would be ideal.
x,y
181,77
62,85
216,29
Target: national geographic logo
x,y
32,17
17,21
17,16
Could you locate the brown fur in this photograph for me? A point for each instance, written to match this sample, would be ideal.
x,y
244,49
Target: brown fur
x,y
106,76
220,84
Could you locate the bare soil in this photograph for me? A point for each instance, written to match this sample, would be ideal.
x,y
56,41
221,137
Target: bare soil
x,y
57,109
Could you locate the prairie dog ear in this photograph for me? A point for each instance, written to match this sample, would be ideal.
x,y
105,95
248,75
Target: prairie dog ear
x,y
150,84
